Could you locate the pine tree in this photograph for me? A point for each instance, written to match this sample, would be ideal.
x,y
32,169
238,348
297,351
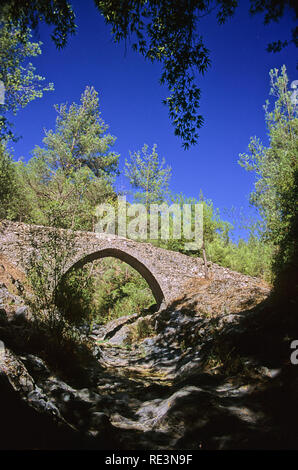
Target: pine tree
x,y
149,176
73,172
80,139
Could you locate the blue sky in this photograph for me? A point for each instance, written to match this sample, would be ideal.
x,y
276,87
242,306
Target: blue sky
x,y
233,92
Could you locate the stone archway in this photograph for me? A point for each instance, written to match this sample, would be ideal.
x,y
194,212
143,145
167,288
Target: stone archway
x,y
129,259
168,273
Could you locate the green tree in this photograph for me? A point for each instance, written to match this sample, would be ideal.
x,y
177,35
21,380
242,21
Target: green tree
x,y
80,139
164,31
53,333
101,291
276,169
119,290
168,32
7,182
149,175
58,13
57,199
213,225
214,228
75,296
65,180
22,84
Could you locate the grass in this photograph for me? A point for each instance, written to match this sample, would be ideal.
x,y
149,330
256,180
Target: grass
x,y
141,329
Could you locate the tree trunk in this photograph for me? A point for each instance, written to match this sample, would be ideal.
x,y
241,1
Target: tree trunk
x,y
205,262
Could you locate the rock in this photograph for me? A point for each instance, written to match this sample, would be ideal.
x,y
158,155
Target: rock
x,y
2,349
21,382
111,328
3,316
120,336
87,395
266,372
99,421
170,391
22,313
36,366
228,319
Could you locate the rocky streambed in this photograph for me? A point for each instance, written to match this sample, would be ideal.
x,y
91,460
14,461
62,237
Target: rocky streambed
x,y
190,376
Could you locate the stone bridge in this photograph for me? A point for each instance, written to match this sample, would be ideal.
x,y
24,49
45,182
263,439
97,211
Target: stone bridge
x,y
166,272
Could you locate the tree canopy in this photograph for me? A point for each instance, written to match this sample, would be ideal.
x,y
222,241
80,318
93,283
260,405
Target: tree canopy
x,y
80,138
21,82
164,31
148,175
276,169
73,172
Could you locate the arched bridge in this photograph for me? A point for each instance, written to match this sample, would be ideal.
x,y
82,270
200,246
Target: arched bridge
x,y
166,272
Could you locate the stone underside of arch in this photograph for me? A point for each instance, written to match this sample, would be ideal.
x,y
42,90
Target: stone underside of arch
x,y
129,259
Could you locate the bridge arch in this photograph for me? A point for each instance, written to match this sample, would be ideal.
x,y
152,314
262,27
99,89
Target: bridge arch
x,y
127,258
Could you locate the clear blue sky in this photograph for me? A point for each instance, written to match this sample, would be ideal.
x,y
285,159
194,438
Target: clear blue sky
x,y
233,93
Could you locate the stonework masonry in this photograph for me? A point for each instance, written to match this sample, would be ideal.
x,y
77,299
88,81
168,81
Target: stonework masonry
x,y
168,273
